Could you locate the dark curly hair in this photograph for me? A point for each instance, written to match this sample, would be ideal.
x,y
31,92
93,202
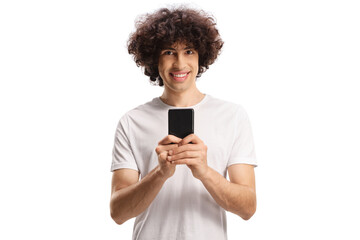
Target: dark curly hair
x,y
165,27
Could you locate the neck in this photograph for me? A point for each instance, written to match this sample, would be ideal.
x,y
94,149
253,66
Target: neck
x,y
183,99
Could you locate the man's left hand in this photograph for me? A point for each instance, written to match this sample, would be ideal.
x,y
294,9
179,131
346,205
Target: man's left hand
x,y
192,152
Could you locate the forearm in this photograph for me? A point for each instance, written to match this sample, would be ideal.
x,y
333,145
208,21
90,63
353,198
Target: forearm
x,y
129,202
238,199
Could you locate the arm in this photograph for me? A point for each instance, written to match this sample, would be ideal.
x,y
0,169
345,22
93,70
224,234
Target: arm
x,y
129,196
237,196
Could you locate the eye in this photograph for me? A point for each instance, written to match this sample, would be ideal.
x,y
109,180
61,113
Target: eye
x,y
189,52
168,53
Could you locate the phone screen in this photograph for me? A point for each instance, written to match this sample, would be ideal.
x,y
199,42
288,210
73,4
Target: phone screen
x,y
181,122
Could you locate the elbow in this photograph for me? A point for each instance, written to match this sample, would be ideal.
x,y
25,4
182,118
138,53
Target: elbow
x,y
249,213
116,218
115,215
246,212
118,222
250,209
247,216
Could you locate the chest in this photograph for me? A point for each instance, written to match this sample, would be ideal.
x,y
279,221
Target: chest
x,y
215,135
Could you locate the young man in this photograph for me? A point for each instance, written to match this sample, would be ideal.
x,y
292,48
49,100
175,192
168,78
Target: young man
x,y
183,192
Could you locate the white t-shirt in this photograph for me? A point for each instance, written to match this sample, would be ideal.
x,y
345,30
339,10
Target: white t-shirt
x,y
183,209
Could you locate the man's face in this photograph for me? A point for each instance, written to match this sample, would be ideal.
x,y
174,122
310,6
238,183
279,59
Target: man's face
x,y
178,67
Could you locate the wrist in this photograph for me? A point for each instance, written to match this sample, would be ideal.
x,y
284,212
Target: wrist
x,y
160,173
205,174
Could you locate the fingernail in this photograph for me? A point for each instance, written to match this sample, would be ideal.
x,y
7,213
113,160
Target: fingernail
x,y
169,158
170,152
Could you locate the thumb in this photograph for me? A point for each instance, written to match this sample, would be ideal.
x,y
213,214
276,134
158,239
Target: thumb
x,y
163,155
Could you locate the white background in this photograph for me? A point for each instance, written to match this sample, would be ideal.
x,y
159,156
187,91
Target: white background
x,y
66,79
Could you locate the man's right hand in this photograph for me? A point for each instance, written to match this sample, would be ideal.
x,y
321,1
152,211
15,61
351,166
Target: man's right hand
x,y
128,192
169,142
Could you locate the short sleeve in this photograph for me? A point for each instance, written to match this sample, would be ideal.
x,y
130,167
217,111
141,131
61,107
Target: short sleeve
x,y
243,150
122,155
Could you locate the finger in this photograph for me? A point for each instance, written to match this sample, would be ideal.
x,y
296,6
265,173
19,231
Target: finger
x,y
163,156
183,148
190,138
187,161
187,154
169,139
162,148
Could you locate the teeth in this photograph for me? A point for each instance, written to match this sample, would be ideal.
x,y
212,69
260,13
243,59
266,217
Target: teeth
x,y
180,75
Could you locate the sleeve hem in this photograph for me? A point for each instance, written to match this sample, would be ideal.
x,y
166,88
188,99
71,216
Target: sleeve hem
x,y
122,165
250,161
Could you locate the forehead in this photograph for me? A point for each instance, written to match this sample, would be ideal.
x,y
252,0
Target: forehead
x,y
178,45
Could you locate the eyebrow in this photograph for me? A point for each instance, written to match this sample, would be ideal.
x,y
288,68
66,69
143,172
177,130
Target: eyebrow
x,y
169,48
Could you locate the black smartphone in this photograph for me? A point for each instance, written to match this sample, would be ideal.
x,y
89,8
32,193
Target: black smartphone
x,y
181,122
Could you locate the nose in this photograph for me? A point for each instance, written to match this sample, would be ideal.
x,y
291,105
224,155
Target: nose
x,y
179,62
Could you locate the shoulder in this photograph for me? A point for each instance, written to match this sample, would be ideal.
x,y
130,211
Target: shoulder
x,y
137,115
143,110
226,106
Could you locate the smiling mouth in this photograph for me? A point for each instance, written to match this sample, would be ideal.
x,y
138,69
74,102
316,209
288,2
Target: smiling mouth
x,y
179,76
